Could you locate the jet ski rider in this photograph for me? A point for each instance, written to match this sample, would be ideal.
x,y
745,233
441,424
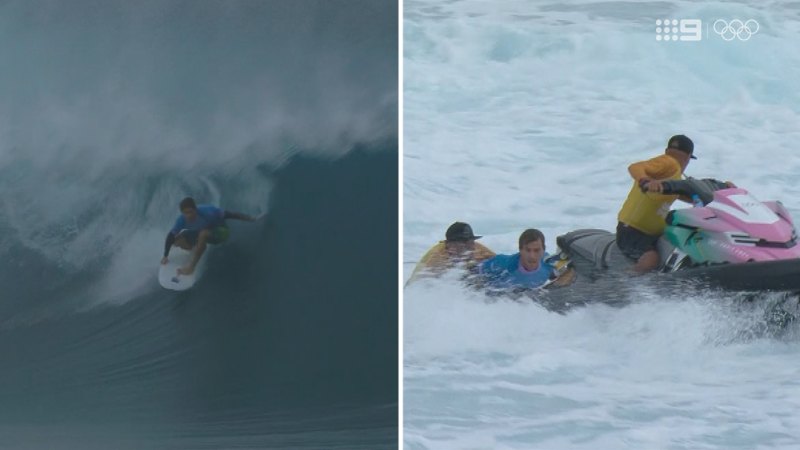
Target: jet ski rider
x,y
641,219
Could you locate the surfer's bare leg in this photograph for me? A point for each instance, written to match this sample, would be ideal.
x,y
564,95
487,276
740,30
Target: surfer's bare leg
x,y
647,262
199,249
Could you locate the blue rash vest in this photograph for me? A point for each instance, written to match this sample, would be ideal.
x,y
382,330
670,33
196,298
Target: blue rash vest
x,y
208,217
506,271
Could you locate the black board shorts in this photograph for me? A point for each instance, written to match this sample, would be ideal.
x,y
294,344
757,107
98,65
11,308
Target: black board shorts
x,y
633,243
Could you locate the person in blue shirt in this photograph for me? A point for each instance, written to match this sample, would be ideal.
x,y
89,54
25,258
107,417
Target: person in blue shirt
x,y
526,269
197,226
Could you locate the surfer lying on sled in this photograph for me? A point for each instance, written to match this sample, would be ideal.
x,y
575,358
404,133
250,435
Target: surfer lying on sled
x,y
530,268
196,227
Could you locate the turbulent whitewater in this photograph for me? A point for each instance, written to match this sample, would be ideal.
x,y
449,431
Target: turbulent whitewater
x,y
521,114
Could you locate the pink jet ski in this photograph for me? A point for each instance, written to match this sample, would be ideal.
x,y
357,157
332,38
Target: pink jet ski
x,y
728,240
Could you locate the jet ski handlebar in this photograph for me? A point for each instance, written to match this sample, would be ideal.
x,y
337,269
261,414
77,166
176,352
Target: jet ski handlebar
x,y
678,187
703,188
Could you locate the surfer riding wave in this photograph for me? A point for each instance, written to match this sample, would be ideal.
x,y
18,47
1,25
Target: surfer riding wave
x,y
197,226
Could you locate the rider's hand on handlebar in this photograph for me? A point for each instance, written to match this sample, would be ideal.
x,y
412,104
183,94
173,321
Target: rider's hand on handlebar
x,y
648,185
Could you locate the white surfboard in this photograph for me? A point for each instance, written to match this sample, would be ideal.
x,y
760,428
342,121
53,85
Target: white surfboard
x,y
168,273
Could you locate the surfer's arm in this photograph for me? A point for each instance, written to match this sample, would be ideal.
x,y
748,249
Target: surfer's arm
x,y
238,216
168,243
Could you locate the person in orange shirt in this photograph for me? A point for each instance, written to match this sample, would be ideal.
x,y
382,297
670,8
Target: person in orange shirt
x,y
459,247
641,219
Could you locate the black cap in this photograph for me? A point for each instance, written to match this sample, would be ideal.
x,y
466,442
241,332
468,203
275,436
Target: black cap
x,y
460,232
682,143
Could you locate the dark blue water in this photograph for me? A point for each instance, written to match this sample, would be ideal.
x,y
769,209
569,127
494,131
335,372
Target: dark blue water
x,y
289,339
113,112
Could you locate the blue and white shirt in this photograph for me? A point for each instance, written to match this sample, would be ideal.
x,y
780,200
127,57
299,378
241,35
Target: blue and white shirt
x,y
504,271
208,217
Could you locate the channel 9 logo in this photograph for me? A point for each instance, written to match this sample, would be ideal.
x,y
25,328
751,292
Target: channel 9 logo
x,y
679,30
692,29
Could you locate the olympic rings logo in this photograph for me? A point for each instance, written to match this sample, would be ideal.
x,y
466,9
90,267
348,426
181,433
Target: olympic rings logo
x,y
736,29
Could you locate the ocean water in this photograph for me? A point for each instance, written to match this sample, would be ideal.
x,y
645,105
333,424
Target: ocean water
x,y
527,114
114,111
